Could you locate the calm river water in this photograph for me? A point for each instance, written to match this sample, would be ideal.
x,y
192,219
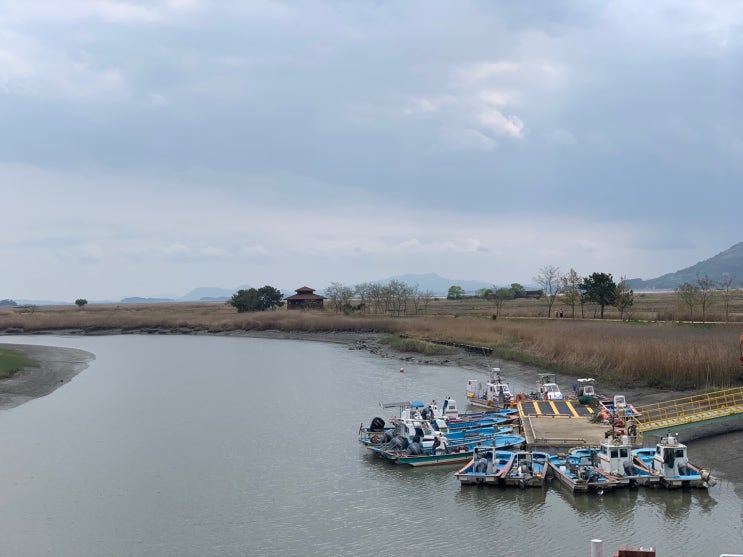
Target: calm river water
x,y
198,446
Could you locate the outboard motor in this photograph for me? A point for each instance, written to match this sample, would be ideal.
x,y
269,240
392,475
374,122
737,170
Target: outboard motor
x,y
629,469
481,465
708,479
377,424
414,449
397,442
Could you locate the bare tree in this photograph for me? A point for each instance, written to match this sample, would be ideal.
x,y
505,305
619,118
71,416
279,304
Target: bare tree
x,y
395,296
363,294
422,300
340,295
724,287
706,288
689,296
501,295
571,295
376,297
549,279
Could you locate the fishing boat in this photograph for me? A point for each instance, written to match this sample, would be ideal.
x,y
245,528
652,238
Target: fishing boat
x,y
452,452
454,420
412,413
615,459
526,469
619,407
669,462
381,430
494,393
578,471
586,391
485,466
547,388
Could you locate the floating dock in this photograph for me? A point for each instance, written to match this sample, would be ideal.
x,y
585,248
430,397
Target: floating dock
x,y
557,425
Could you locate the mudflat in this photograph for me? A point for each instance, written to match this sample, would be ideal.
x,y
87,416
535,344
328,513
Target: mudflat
x,y
56,366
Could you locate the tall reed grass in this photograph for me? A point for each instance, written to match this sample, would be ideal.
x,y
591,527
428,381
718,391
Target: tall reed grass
x,y
662,354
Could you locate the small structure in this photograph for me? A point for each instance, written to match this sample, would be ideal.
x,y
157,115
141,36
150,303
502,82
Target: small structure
x,y
305,298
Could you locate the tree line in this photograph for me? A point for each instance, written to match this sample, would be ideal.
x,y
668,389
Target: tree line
x,y
574,291
704,291
394,298
599,289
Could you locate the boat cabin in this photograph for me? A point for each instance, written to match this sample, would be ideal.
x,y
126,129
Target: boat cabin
x,y
548,389
494,392
475,389
615,456
586,387
670,457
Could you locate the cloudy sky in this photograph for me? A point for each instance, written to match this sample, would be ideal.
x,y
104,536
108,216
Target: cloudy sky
x,y
151,147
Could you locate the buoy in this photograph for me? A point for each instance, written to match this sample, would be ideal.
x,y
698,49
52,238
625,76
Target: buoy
x,y
402,370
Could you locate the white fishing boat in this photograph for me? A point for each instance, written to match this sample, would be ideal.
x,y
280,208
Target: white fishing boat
x,y
615,459
491,394
547,387
669,461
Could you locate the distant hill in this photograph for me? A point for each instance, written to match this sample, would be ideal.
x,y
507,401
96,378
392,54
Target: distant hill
x,y
137,300
208,293
728,262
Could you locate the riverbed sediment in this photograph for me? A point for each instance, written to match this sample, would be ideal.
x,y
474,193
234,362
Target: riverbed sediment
x,y
56,366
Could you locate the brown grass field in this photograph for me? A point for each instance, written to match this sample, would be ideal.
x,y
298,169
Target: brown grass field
x,y
647,348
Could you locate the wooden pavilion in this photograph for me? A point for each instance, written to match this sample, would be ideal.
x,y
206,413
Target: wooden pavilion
x,y
305,298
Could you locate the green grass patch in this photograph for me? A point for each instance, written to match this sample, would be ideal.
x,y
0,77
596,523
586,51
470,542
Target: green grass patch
x,y
418,346
12,362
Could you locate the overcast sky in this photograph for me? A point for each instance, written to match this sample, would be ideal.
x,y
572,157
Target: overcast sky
x,y
152,147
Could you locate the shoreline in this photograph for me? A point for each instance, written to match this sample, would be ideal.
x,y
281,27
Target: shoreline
x,y
58,365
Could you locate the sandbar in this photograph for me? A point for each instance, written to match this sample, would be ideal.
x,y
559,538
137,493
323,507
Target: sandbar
x,y
56,366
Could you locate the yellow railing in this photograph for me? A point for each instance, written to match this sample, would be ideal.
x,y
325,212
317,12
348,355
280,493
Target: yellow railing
x,y
692,408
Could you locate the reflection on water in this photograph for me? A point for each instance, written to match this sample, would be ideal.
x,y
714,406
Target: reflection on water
x,y
484,497
196,446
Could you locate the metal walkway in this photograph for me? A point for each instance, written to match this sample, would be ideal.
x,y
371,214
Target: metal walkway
x,y
691,411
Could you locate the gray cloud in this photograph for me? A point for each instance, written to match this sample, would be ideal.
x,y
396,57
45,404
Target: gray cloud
x,y
587,111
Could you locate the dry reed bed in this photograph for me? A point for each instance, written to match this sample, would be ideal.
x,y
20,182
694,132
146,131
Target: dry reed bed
x,y
670,355
654,354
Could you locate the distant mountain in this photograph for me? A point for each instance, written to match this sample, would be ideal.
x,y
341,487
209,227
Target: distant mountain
x,y
208,293
137,300
729,262
438,284
24,302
